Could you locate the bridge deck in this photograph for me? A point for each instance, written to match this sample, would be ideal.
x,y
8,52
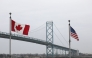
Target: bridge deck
x,y
30,39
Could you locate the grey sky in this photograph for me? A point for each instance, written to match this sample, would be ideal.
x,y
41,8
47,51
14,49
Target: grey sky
x,y
37,12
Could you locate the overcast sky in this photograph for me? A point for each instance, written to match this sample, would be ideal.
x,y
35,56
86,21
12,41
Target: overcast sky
x,y
37,12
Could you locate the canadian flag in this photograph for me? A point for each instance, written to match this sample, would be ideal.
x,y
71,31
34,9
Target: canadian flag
x,y
19,28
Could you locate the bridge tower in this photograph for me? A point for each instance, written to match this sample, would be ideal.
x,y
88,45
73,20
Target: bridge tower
x,y
49,38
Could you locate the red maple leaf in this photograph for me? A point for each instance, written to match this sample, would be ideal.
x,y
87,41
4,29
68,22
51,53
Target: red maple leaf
x,y
18,27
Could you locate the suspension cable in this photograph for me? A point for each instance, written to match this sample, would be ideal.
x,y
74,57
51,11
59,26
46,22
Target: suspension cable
x,y
58,38
38,28
60,33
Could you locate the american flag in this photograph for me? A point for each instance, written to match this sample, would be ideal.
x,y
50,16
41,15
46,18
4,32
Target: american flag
x,y
73,33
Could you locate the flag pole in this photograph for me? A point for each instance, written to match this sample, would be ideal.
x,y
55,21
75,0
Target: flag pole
x,y
10,36
69,41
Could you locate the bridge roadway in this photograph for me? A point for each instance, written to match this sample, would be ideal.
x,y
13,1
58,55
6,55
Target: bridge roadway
x,y
30,39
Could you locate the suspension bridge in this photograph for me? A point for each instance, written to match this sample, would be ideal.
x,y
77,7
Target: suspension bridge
x,y
50,46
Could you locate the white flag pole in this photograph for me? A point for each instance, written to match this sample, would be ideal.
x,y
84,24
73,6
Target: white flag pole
x,y
69,41
10,36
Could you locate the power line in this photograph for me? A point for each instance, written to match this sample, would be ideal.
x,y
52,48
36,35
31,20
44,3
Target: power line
x,y
60,33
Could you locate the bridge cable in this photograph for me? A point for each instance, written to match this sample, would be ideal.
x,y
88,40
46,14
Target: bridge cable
x,y
58,38
60,33
37,29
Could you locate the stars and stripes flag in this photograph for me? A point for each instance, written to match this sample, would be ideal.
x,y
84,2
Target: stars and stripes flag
x,y
73,33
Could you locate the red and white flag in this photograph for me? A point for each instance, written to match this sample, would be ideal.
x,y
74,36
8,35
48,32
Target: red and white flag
x,y
20,28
